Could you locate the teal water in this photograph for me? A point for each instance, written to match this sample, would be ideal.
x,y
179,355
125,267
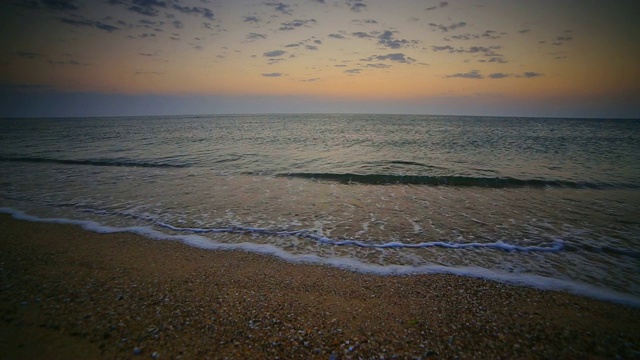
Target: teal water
x,y
551,203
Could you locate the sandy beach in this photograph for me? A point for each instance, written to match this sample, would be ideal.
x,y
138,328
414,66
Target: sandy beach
x,y
67,293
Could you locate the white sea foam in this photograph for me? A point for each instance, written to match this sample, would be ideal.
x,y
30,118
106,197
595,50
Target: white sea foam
x,y
352,264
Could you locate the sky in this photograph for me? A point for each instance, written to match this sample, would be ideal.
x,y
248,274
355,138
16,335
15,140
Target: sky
x,y
546,58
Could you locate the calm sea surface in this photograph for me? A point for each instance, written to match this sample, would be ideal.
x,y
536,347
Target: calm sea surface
x,y
551,203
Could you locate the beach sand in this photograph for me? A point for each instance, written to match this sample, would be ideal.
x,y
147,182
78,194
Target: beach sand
x,y
68,294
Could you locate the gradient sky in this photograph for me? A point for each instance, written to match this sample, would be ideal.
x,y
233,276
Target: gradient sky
x,y
154,57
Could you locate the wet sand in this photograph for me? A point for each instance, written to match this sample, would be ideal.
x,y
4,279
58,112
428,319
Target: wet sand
x,y
67,294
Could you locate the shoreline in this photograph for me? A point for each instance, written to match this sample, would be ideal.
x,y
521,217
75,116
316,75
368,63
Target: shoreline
x,y
67,292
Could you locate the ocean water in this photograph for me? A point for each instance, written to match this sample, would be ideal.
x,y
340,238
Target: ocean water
x,y
550,203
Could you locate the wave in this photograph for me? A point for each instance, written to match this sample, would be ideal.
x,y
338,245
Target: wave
x,y
195,240
557,246
455,181
97,162
309,234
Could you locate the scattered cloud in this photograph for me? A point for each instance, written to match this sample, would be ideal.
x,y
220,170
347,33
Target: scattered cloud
x,y
473,74
387,39
275,74
64,5
446,28
89,23
195,10
28,55
488,35
178,24
362,35
498,75
143,7
311,47
310,80
353,71
356,5
66,62
562,39
274,53
524,31
494,59
364,21
336,36
440,5
280,7
148,73
397,57
251,19
378,66
531,74
256,36
292,25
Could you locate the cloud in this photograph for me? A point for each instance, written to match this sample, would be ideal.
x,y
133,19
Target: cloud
x,y
64,5
28,55
362,35
142,36
144,7
310,80
274,53
356,5
531,74
66,62
473,74
27,4
494,59
364,21
178,24
336,36
448,48
489,35
524,31
353,71
311,47
280,7
89,23
293,45
378,66
275,74
498,75
292,25
487,51
251,19
440,5
194,10
446,28
387,39
397,57
148,73
256,36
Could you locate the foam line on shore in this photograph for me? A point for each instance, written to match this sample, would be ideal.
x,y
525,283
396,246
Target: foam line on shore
x,y
557,246
536,281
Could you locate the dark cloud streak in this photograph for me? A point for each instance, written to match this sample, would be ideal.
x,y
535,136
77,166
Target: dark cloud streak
x,y
90,23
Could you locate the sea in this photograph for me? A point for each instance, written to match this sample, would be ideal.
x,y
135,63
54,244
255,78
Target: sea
x,y
542,202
